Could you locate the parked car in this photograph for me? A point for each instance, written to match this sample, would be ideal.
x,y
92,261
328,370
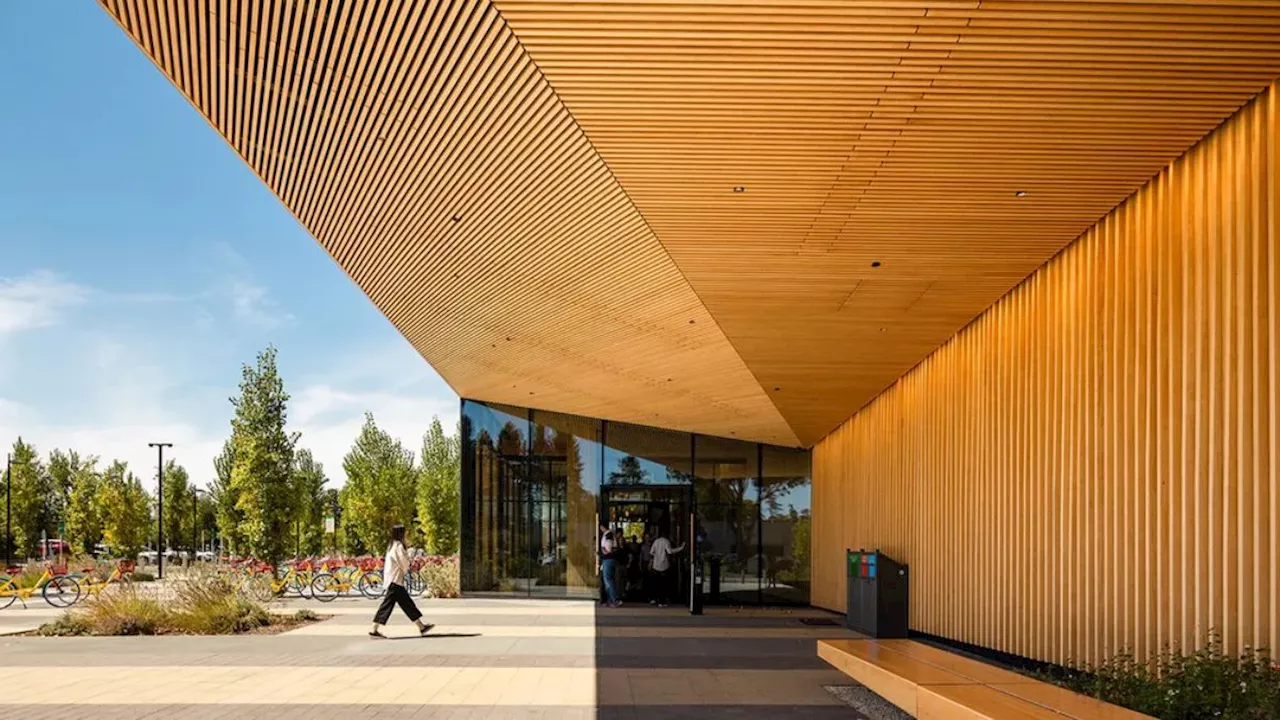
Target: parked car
x,y
205,555
54,547
100,551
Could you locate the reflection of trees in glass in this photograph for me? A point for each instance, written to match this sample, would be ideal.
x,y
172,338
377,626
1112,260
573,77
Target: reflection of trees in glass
x,y
729,501
800,542
629,472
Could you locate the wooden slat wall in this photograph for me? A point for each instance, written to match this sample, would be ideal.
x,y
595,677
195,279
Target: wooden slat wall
x,y
1092,464
423,148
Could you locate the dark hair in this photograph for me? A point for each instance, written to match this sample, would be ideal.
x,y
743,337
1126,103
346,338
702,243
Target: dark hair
x,y
397,533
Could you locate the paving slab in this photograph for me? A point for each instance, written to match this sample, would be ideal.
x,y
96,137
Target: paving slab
x,y
487,658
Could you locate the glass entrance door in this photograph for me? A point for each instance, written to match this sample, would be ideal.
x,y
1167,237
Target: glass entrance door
x,y
638,515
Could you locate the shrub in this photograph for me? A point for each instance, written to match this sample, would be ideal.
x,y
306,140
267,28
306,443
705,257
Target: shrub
x,y
68,624
210,606
199,605
441,573
1205,684
126,611
306,615
142,576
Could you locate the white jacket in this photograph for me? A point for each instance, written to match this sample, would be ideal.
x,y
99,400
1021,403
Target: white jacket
x,y
395,565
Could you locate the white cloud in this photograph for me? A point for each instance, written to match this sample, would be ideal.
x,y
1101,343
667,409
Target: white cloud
x,y
117,379
252,305
330,419
36,300
251,302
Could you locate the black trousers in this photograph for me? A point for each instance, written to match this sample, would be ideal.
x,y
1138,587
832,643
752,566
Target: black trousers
x,y
664,585
396,595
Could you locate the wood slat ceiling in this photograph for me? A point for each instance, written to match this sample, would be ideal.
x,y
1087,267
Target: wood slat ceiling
x,y
862,131
423,149
892,132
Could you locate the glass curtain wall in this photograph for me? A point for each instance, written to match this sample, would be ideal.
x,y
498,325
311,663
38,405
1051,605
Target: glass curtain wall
x,y
537,486
785,525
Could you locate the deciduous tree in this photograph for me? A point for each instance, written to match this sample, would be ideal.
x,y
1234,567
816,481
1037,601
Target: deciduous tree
x,y
177,506
380,488
439,490
224,499
125,509
262,460
84,522
309,490
30,485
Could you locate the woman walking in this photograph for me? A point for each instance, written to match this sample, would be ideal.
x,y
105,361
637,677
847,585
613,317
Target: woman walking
x,y
394,568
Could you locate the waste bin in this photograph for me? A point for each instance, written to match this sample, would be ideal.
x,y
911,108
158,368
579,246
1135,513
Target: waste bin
x,y
877,593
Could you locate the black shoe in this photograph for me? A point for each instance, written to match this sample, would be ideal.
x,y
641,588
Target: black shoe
x,y
426,628
377,635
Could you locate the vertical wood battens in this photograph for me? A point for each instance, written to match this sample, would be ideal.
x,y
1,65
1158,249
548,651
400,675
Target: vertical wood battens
x,y
1093,461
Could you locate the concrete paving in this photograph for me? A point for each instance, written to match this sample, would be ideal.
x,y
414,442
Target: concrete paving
x,y
485,659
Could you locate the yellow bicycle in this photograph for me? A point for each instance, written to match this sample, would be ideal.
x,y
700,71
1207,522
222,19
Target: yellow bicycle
x,y
122,574
58,590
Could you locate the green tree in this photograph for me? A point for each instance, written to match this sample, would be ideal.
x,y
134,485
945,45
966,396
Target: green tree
x,y
309,490
262,461
84,522
177,506
380,488
125,509
629,472
439,488
30,485
224,499
62,469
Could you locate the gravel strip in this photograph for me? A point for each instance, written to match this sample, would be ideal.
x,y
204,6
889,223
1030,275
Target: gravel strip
x,y
868,704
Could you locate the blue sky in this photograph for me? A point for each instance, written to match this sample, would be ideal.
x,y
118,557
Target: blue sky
x,y
141,263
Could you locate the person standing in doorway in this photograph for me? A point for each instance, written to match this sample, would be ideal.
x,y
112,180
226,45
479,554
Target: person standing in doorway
x,y
662,551
394,568
609,569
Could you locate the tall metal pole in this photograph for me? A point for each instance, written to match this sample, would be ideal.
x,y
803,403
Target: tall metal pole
x,y
195,522
160,508
8,504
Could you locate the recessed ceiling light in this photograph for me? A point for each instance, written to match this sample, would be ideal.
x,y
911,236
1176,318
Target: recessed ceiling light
x,y
508,338
875,263
690,322
1020,193
457,218
883,329
777,389
739,189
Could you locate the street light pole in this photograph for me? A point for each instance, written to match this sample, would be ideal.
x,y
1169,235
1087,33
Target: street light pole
x,y
160,508
8,514
195,522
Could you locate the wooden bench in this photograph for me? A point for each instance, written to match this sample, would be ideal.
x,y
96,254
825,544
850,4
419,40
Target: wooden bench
x,y
933,684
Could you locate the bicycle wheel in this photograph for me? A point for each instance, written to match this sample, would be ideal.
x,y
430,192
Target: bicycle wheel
x,y
8,593
302,584
416,583
61,591
370,584
325,587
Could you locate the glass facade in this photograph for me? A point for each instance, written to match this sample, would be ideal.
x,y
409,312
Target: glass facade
x,y
537,487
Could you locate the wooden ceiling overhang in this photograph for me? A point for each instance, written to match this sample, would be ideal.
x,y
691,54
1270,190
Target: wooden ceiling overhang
x,y
738,218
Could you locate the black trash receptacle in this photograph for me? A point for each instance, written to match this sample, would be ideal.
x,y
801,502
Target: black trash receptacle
x,y
877,594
